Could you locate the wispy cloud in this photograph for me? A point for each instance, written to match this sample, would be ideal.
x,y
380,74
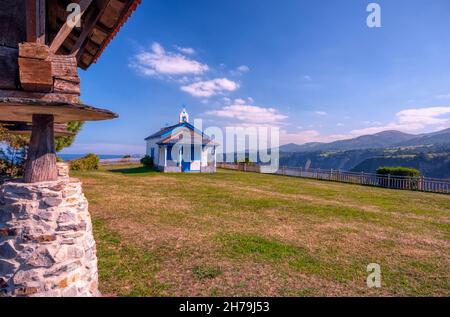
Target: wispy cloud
x,y
249,114
411,120
157,61
307,136
320,113
443,96
185,50
209,88
240,70
243,69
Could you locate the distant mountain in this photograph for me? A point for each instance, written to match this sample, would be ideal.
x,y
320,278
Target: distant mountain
x,y
292,147
432,161
440,137
376,141
430,153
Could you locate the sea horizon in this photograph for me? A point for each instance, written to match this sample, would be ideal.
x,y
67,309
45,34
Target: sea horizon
x,y
70,157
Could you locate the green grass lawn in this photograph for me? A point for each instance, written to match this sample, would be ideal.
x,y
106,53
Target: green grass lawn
x,y
245,234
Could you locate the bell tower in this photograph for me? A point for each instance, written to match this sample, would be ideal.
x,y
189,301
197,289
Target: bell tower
x,y
184,116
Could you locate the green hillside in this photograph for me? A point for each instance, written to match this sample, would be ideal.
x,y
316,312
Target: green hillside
x,y
432,161
234,233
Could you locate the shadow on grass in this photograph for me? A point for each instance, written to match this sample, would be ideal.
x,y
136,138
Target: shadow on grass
x,y
135,170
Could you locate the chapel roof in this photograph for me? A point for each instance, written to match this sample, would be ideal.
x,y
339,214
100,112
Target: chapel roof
x,y
165,133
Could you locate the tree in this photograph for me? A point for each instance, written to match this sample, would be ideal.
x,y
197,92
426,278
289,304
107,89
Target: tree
x,y
12,153
62,142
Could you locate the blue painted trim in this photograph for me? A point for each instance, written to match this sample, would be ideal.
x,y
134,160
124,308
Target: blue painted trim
x,y
184,125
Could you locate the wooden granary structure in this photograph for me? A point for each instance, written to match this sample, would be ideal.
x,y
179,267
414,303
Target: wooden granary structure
x,y
41,48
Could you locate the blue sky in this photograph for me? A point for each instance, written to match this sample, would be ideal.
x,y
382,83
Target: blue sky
x,y
313,68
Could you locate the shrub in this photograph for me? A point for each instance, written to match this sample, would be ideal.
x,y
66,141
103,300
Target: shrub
x,y
127,156
247,161
88,163
398,171
402,177
147,161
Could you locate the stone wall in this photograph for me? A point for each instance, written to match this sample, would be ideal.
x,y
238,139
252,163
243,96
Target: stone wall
x,y
46,242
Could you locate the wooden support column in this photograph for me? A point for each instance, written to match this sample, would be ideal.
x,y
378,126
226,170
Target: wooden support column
x,y
41,160
36,14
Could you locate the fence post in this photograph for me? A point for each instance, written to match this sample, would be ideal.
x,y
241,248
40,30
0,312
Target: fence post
x,y
317,172
331,175
422,185
362,177
389,180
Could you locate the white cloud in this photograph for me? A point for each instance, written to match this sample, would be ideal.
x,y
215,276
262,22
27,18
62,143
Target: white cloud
x,y
185,50
307,77
210,88
424,116
240,70
411,120
340,124
443,96
249,114
240,101
320,113
158,61
243,69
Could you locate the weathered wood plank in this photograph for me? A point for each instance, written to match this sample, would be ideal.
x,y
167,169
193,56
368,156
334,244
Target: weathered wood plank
x,y
9,68
35,74
63,65
68,85
18,109
41,158
33,50
48,97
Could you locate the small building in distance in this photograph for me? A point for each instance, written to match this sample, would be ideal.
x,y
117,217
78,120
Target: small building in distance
x,y
182,148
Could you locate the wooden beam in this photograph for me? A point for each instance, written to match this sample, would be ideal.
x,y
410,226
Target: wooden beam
x,y
41,20
31,13
36,13
90,22
35,74
24,128
67,28
41,159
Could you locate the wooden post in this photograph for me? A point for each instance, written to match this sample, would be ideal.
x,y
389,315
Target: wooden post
x,y
36,21
41,160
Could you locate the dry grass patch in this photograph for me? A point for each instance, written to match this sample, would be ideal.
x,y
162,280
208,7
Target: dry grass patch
x,y
234,233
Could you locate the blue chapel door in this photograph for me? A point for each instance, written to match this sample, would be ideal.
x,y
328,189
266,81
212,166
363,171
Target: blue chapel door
x,y
185,166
